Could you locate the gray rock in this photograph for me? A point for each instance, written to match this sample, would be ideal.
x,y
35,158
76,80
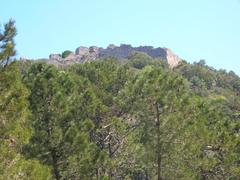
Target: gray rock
x,y
70,57
55,56
111,46
81,51
85,54
172,59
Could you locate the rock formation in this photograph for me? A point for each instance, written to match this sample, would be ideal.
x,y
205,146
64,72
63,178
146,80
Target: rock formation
x,y
85,54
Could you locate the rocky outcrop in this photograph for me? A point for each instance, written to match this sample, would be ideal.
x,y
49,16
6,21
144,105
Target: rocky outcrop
x,y
85,54
55,56
81,51
173,59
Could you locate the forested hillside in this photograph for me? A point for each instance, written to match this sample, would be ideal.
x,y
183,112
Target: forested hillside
x,y
137,119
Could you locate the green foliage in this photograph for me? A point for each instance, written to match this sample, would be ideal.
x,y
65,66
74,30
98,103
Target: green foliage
x,y
16,129
7,44
108,120
139,60
111,132
158,101
204,79
66,53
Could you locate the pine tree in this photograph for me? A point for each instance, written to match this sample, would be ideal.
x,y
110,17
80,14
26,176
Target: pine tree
x,y
15,130
65,111
7,44
160,103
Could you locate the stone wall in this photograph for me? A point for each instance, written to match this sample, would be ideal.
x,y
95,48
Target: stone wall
x,y
85,54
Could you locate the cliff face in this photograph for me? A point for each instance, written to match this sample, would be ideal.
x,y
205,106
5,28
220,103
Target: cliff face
x,y
85,54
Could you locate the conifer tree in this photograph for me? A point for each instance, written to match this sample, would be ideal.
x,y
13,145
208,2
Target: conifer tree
x,y
7,44
16,130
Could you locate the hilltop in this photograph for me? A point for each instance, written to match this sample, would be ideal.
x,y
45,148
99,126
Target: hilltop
x,y
85,54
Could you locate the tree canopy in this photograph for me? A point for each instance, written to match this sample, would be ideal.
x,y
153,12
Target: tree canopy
x,y
136,119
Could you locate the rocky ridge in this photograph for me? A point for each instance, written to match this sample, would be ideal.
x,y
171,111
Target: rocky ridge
x,y
85,54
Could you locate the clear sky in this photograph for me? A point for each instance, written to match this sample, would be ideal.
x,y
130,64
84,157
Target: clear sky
x,y
193,29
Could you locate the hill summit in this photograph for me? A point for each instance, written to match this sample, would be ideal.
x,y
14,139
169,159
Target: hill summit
x,y
85,54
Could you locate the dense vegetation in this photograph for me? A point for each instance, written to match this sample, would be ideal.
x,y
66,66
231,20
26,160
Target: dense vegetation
x,y
137,119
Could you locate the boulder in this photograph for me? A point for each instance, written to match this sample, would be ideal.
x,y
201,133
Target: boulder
x,y
81,51
172,59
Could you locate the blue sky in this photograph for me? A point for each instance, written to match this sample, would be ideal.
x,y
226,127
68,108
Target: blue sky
x,y
200,29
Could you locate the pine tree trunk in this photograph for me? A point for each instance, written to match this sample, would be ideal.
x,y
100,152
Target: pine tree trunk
x,y
55,165
110,156
159,156
97,173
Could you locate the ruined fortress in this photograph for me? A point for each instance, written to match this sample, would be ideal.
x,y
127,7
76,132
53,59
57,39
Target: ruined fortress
x,y
85,54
